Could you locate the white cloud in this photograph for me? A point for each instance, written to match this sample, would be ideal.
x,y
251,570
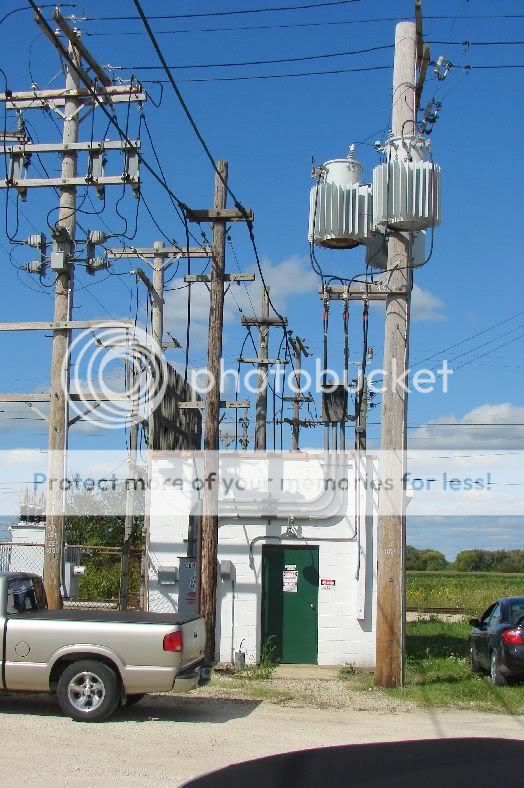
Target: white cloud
x,y
468,435
425,305
289,277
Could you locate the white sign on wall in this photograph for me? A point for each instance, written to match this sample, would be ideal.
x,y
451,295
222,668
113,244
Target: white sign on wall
x,y
290,579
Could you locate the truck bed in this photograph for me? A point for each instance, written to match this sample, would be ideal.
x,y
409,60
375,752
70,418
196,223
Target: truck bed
x,y
107,616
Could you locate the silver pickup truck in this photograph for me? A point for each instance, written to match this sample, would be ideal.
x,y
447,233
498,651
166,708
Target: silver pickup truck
x,y
95,660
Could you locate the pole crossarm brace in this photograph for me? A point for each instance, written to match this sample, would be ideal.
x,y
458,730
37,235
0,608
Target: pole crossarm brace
x,y
419,33
66,325
219,214
149,284
224,403
371,292
263,321
227,278
74,38
166,251
267,361
424,64
299,398
297,344
51,99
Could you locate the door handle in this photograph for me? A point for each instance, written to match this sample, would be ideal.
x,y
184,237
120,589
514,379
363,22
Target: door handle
x,y
312,605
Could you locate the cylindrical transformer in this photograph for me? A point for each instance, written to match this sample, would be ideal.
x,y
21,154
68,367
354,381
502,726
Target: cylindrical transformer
x,y
340,206
377,250
407,187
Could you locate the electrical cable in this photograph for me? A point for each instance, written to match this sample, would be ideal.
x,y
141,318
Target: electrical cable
x,y
234,12
112,117
295,25
468,339
277,76
238,204
273,61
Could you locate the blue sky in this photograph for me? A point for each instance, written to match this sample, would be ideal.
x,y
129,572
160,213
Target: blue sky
x,y
269,130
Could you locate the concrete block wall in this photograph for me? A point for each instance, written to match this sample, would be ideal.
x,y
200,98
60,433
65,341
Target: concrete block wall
x,y
346,614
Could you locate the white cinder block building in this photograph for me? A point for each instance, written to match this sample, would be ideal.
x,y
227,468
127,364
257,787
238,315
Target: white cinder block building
x,y
296,568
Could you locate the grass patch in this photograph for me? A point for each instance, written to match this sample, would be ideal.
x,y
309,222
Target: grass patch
x,y
474,591
347,671
264,668
438,672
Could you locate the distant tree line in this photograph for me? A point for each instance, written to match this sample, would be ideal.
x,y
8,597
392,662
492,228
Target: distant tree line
x,y
466,561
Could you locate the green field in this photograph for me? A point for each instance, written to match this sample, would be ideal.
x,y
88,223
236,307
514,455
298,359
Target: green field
x,y
438,673
474,591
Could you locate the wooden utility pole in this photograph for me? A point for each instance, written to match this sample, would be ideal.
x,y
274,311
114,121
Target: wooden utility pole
x,y
58,407
263,355
299,348
209,534
361,426
156,289
263,323
392,521
131,483
157,306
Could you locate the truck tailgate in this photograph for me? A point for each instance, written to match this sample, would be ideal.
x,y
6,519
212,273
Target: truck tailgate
x,y
194,640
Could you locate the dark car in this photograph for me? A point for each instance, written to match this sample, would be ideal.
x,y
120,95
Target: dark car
x,y
496,641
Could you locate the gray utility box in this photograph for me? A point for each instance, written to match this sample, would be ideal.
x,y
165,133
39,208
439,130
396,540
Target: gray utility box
x,y
188,586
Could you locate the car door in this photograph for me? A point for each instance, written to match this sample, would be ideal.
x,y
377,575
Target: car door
x,y
490,619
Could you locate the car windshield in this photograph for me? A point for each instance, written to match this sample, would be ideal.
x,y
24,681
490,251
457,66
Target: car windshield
x,y
516,611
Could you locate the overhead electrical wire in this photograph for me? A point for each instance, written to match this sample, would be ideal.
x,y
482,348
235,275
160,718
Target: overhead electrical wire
x,y
112,117
468,339
272,61
277,76
233,12
238,204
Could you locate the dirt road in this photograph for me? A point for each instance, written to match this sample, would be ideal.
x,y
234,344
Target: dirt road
x,y
165,738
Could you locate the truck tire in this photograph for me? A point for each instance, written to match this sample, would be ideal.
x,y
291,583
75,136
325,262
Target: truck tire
x,y
132,699
88,691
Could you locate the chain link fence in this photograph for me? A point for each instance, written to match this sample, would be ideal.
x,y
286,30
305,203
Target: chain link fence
x,y
92,573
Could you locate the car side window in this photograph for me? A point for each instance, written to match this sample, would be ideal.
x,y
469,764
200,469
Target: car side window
x,y
516,612
487,615
23,594
494,617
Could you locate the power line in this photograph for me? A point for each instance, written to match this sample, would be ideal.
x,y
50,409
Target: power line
x,y
276,76
110,116
238,204
263,62
235,12
468,339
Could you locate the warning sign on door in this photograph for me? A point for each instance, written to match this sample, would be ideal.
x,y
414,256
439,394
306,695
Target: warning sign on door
x,y
290,579
327,584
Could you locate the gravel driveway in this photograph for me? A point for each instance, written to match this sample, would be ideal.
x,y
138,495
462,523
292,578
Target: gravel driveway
x,y
173,739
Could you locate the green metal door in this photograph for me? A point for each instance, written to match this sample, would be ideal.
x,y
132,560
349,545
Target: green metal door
x,y
290,603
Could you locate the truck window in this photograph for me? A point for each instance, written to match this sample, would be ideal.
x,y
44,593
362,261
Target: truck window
x,y
25,593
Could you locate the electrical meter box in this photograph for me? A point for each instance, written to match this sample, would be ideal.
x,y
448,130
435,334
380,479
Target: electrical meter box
x,y
187,586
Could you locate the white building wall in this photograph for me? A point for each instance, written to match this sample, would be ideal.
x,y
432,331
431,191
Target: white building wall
x,y
346,614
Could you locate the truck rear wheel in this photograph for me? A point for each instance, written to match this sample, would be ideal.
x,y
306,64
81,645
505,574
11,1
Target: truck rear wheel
x,y
88,691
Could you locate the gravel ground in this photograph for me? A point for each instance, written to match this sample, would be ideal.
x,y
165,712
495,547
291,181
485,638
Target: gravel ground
x,y
165,738
305,693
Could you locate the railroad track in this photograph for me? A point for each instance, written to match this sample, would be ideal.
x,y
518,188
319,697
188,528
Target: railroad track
x,y
456,610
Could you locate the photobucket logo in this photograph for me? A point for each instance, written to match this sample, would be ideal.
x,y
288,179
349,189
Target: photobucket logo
x,y
254,380
117,376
